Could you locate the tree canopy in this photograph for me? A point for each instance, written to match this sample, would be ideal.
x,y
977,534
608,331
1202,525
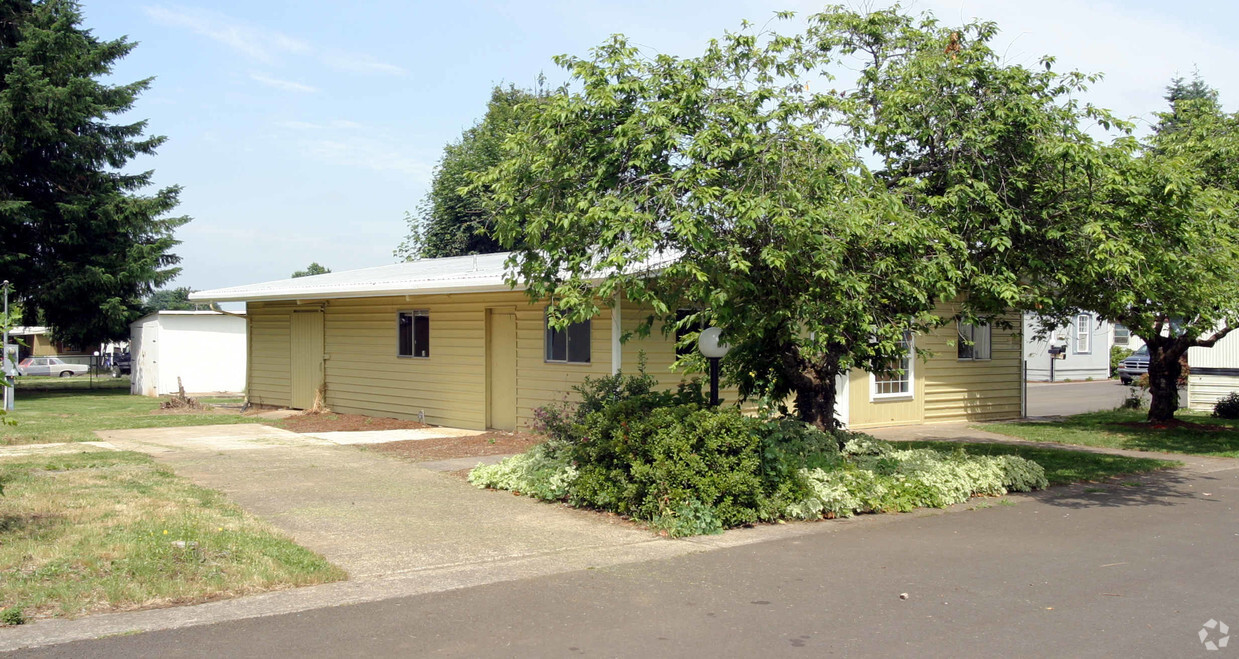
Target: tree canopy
x,y
723,184
83,242
453,221
311,270
1159,251
174,299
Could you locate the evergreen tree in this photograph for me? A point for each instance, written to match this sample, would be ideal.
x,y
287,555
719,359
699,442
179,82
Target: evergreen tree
x,y
310,270
82,243
452,221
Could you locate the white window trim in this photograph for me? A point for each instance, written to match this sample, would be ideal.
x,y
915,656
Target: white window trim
x,y
910,394
1083,330
546,325
413,329
988,328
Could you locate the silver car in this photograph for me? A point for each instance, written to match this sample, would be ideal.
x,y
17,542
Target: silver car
x,y
49,366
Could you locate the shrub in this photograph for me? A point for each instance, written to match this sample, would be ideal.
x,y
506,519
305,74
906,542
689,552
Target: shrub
x,y
691,518
538,472
1118,354
1228,407
904,480
650,462
12,616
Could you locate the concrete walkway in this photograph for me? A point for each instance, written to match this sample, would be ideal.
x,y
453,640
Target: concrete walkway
x,y
398,529
961,432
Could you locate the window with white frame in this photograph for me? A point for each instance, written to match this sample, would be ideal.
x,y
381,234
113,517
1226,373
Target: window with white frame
x,y
974,341
896,380
413,333
1122,335
569,345
1084,333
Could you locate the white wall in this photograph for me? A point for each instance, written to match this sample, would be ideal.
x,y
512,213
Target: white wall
x,y
205,350
1078,364
1214,372
144,354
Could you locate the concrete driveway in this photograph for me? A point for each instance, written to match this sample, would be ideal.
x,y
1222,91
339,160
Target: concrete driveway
x,y
397,528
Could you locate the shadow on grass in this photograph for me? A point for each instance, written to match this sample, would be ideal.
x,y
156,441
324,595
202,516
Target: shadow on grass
x,y
52,394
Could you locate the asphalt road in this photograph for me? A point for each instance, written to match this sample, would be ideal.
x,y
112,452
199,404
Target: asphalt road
x,y
1064,398
1123,569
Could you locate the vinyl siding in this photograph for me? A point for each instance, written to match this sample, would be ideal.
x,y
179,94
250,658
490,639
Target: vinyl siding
x,y
1205,388
972,390
947,389
270,365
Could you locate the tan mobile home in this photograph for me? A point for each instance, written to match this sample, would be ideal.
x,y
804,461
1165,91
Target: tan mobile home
x,y
448,341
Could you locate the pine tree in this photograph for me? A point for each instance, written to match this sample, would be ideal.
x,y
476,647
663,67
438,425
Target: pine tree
x,y
83,244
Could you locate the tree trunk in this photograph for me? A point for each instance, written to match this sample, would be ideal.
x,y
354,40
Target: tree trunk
x,y
1164,371
816,393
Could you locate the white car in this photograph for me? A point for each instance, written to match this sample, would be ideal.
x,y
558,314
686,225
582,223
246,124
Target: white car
x,y
49,366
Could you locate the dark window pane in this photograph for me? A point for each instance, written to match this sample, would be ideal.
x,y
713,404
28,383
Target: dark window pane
x,y
556,345
681,332
578,342
966,342
421,335
405,335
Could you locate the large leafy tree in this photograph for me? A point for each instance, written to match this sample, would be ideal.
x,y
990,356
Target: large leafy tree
x,y
1160,252
82,242
722,183
453,221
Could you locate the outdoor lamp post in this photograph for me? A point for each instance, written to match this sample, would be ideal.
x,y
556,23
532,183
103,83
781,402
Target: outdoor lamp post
x,y
712,349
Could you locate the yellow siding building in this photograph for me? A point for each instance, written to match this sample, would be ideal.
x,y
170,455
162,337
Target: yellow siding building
x,y
447,341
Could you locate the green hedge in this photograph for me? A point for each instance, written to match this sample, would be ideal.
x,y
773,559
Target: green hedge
x,y
687,469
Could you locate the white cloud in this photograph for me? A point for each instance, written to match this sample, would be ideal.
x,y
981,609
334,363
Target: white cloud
x,y
370,153
286,85
359,63
254,42
263,44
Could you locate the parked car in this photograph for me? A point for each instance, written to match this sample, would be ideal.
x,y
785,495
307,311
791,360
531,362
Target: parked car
x,y
50,366
122,364
1134,366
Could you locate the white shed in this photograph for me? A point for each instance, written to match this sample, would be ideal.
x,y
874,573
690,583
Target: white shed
x,y
1213,372
205,349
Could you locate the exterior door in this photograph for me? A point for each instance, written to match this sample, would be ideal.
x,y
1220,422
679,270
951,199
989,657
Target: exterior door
x,y
501,369
307,358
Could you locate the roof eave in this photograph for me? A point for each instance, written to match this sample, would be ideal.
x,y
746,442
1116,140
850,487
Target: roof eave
x,y
339,294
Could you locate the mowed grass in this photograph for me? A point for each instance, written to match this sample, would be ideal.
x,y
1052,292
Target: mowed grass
x,y
1061,466
105,531
44,417
1126,429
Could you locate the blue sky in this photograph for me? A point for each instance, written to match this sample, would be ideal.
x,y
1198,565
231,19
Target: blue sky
x,y
302,131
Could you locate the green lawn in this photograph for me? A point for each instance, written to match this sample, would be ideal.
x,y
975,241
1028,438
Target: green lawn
x,y
71,416
1106,429
1061,466
103,531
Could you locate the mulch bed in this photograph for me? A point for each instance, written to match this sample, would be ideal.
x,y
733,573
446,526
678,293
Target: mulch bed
x,y
332,422
1175,425
446,448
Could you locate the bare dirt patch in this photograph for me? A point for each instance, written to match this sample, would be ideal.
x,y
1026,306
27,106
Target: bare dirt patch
x,y
332,422
446,448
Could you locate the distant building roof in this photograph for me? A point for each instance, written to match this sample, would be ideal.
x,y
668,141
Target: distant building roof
x,y
457,274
